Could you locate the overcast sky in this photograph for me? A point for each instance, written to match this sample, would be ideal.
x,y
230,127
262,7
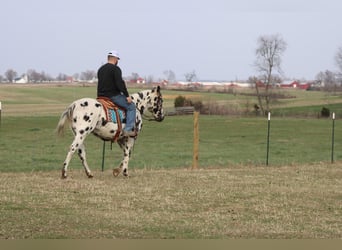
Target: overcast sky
x,y
215,38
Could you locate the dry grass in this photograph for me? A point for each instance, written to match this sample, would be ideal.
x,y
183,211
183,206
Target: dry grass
x,y
235,202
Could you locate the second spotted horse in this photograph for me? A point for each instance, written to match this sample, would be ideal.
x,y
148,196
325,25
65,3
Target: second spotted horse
x,y
87,115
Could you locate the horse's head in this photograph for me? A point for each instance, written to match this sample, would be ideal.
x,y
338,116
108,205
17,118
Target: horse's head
x,y
150,100
156,104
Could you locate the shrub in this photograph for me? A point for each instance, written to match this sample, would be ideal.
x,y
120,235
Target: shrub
x,y
325,112
198,105
180,101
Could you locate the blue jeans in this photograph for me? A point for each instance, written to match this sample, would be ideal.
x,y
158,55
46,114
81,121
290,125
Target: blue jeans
x,y
121,101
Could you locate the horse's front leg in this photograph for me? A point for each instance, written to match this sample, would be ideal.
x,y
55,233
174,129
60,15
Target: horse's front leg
x,y
126,144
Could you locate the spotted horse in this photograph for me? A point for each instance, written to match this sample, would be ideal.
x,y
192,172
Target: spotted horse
x,y
87,115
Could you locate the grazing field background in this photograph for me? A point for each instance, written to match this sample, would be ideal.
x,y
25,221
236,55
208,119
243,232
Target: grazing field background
x,y
233,195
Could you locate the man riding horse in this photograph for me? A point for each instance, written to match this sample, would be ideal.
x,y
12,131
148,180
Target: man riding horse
x,y
111,85
87,115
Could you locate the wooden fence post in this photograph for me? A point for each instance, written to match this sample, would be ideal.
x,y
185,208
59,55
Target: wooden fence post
x,y
196,141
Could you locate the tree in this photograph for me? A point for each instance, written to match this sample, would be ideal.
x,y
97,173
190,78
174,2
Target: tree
x,y
190,76
150,79
76,76
134,77
88,75
61,77
34,76
338,59
11,75
328,80
170,76
270,49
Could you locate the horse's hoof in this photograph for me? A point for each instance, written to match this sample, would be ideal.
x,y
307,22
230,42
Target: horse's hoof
x,y
64,175
125,173
116,172
90,176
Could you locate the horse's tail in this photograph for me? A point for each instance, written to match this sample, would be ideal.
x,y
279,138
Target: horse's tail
x,y
65,120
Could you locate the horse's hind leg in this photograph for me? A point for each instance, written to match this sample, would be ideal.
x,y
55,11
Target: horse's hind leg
x,y
82,155
75,145
66,163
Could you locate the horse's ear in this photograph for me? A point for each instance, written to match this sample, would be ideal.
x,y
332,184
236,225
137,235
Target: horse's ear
x,y
158,89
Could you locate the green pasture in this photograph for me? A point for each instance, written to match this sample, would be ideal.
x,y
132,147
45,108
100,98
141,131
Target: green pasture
x,y
30,144
30,115
232,195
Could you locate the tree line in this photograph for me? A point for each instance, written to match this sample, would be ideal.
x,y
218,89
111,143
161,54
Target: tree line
x,y
34,76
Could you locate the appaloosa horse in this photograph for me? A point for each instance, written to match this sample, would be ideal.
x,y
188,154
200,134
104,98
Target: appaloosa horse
x,y
87,116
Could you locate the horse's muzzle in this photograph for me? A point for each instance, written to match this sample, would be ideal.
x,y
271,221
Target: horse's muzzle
x,y
159,118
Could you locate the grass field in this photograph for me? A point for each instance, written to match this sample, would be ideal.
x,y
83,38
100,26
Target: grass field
x,y
236,202
29,143
233,195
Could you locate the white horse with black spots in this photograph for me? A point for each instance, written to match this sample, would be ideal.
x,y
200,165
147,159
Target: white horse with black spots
x,y
87,116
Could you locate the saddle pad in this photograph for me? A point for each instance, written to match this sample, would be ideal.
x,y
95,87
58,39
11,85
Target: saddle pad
x,y
110,109
112,115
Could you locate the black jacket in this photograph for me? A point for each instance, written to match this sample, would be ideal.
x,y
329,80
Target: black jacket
x,y
110,82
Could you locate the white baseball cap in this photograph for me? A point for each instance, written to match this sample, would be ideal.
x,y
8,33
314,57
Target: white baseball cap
x,y
114,53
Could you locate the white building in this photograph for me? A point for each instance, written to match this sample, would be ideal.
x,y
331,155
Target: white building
x,y
23,79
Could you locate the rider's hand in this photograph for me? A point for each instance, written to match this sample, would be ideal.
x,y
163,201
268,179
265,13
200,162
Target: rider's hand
x,y
129,99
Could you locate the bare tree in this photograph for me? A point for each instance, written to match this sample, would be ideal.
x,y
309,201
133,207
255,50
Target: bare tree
x,y
190,76
61,77
88,75
34,76
338,59
270,49
134,77
170,76
150,79
328,80
11,75
76,76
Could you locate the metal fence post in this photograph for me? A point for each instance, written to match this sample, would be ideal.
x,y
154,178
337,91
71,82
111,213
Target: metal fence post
x,y
333,137
268,136
103,154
